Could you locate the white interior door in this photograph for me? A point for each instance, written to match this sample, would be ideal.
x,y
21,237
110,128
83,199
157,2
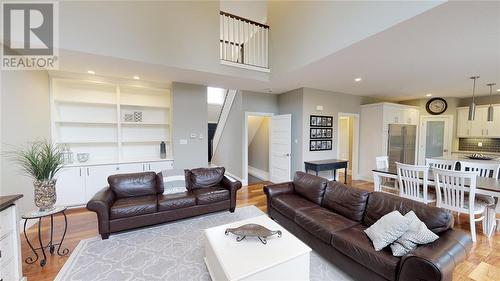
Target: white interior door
x,y
280,148
435,137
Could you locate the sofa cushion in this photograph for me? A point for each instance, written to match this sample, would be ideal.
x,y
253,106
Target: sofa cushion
x,y
133,206
354,243
288,204
203,177
136,184
210,195
380,204
309,186
349,202
175,201
321,222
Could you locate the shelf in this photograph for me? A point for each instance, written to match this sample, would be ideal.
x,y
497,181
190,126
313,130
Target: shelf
x,y
145,105
85,102
87,142
145,141
87,122
145,123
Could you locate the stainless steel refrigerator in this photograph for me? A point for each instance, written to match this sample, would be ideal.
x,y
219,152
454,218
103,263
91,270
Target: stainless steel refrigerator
x,y
402,144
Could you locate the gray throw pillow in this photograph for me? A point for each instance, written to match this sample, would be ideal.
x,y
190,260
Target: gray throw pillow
x,y
387,229
417,234
173,181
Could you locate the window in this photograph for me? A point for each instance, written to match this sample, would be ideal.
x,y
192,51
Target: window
x,y
215,95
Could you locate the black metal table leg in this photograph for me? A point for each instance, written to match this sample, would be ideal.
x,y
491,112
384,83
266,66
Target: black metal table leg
x,y
334,174
50,245
345,176
29,260
65,250
44,260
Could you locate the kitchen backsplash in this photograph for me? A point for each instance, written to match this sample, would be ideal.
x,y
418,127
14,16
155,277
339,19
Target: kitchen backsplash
x,y
488,145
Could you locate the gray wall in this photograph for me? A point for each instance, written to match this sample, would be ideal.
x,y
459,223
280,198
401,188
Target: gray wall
x,y
229,151
189,117
25,116
332,103
291,103
258,148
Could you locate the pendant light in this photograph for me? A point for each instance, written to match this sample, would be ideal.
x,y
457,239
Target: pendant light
x,y
472,106
490,108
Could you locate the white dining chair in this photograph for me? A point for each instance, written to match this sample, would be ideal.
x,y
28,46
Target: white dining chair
x,y
456,191
485,170
413,183
441,163
382,162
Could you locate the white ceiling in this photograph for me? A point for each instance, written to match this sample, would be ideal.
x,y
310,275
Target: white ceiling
x,y
434,52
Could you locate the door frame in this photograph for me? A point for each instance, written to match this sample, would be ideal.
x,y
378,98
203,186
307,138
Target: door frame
x,y
423,130
355,140
244,176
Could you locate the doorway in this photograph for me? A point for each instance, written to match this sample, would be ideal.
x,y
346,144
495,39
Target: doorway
x,y
347,142
436,136
257,147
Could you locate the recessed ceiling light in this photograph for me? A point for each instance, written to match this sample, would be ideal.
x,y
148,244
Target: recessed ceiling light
x,y
498,90
90,72
429,95
358,79
136,77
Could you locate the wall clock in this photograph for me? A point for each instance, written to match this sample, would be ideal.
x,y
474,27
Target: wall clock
x,y
436,106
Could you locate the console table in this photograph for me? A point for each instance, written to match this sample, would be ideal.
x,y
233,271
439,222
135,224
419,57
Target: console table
x,y
327,165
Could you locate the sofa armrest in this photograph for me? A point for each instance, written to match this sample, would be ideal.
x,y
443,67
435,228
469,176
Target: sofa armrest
x,y
273,190
232,185
101,203
437,260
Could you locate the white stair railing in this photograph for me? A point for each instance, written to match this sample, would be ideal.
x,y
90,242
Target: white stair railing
x,y
243,41
226,108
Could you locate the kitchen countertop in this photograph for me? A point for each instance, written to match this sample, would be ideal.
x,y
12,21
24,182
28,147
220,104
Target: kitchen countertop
x,y
472,152
6,201
495,160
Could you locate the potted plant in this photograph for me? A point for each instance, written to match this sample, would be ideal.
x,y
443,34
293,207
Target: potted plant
x,y
41,160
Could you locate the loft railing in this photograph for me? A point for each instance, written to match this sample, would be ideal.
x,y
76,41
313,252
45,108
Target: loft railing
x,y
243,41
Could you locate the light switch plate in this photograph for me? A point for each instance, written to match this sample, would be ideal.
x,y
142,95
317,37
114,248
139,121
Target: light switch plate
x,y
201,136
480,144
183,141
193,135
319,107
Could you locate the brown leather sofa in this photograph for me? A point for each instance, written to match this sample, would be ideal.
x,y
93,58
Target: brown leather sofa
x,y
136,200
331,218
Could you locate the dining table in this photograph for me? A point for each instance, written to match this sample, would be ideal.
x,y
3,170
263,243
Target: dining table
x,y
484,186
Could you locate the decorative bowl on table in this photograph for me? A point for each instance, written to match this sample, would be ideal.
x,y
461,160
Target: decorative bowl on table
x,y
479,156
252,230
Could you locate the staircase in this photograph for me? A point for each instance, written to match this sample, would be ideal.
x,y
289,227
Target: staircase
x,y
221,123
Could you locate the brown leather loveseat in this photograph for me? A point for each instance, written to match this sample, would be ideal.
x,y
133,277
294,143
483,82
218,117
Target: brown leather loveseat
x,y
136,200
331,218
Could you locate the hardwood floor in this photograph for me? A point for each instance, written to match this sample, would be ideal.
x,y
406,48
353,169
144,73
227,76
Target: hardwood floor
x,y
482,264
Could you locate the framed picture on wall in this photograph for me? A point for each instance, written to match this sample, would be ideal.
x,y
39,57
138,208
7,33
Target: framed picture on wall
x,y
329,133
320,121
329,121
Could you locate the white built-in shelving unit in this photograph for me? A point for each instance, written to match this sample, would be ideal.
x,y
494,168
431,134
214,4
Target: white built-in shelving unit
x,y
89,116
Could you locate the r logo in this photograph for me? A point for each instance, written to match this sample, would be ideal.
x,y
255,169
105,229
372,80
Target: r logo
x,y
28,29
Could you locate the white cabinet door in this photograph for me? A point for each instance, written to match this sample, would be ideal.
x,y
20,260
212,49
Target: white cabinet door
x,y
70,186
97,178
494,127
159,166
477,127
463,124
130,168
411,117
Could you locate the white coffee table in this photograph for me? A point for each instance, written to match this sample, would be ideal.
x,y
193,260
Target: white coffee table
x,y
284,258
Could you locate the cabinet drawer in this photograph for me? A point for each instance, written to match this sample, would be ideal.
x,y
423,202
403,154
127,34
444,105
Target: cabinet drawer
x,y
6,221
8,271
6,248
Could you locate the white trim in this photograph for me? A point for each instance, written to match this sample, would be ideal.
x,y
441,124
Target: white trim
x,y
258,173
390,104
244,163
421,135
213,165
245,66
355,146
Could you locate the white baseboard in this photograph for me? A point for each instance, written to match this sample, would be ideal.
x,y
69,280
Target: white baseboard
x,y
258,173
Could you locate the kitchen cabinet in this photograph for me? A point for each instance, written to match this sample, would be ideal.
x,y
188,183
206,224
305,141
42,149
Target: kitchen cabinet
x,y
479,127
76,185
10,246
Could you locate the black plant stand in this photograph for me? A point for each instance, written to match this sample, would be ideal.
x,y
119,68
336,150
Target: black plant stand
x,y
51,246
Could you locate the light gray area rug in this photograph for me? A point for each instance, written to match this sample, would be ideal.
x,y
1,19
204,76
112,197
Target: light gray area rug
x,y
171,251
